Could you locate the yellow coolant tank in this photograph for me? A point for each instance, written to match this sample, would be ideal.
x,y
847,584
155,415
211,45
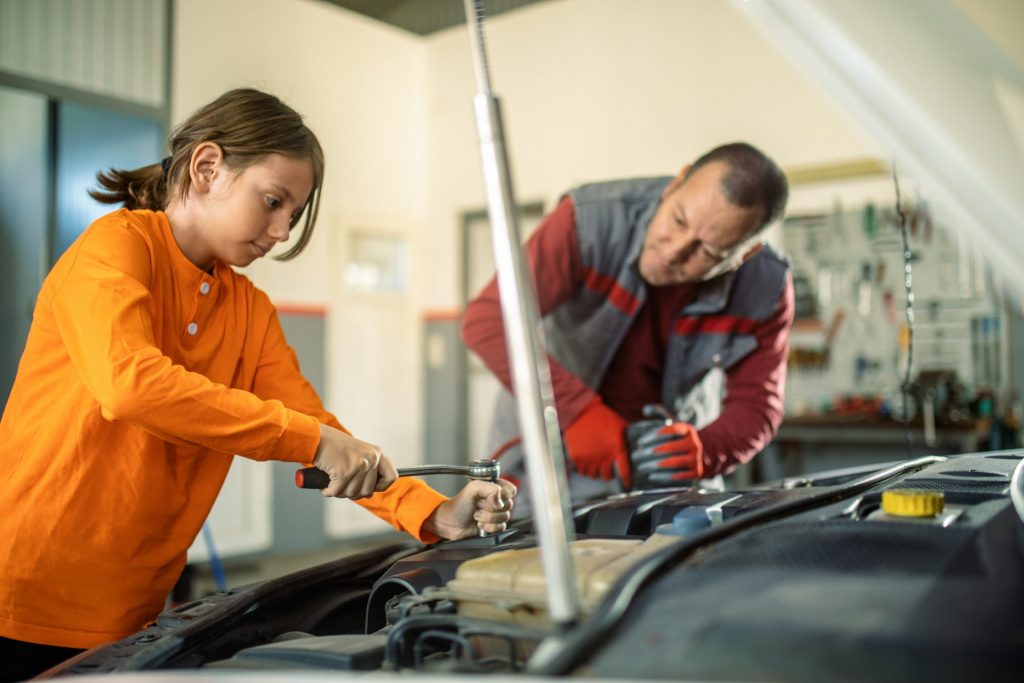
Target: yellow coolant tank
x,y
510,586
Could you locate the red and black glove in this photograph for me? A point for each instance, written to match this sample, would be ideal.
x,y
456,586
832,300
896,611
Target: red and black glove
x,y
596,441
664,454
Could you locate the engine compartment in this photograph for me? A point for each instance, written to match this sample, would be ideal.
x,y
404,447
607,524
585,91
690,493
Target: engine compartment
x,y
803,580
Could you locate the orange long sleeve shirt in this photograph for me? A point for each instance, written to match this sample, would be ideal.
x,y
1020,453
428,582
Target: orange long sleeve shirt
x,y
141,376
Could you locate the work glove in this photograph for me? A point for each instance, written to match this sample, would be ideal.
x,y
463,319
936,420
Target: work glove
x,y
596,441
663,454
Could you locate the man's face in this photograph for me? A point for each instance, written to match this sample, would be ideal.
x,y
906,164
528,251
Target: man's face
x,y
696,233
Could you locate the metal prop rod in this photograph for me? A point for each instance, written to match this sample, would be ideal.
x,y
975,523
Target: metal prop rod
x,y
531,377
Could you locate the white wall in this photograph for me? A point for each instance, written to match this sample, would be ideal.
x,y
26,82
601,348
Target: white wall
x,y
598,89
356,82
935,91
1001,20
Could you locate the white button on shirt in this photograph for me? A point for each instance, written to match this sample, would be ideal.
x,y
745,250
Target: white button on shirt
x,y
204,288
192,328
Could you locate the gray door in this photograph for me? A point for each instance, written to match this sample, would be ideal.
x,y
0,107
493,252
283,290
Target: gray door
x,y
23,220
91,140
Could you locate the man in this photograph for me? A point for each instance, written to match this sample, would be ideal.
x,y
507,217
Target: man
x,y
656,292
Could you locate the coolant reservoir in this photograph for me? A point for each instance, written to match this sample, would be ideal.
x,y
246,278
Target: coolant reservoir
x,y
510,586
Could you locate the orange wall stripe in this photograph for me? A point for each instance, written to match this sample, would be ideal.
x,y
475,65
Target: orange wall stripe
x,y
313,310
441,315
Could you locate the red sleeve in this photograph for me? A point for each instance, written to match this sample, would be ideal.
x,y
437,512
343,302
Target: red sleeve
x,y
553,252
752,410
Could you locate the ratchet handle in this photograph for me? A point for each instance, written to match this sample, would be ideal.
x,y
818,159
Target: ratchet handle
x,y
315,478
311,478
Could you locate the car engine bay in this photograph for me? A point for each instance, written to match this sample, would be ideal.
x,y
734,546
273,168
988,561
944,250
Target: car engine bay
x,y
803,580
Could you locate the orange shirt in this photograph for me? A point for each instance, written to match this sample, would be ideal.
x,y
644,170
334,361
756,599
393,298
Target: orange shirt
x,y
141,376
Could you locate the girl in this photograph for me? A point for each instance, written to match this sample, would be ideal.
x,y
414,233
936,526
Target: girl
x,y
150,361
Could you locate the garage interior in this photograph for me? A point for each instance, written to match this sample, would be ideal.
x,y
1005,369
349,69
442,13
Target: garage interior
x,y
847,97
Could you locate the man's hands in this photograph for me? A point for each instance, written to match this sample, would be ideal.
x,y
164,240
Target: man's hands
x,y
663,454
357,469
479,505
596,441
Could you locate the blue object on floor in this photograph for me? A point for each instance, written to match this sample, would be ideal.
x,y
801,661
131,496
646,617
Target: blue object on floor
x,y
219,577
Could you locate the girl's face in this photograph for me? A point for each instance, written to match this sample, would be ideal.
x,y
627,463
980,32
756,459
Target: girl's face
x,y
246,213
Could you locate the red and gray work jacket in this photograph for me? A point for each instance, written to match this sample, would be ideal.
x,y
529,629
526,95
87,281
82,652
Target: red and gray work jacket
x,y
715,330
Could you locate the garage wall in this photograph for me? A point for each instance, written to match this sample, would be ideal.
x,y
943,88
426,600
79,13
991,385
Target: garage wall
x,y
597,89
113,48
592,89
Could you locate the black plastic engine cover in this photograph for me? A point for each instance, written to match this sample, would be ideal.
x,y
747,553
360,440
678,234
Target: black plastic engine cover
x,y
813,598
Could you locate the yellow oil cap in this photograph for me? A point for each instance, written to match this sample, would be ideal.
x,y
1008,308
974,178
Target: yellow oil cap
x,y
912,502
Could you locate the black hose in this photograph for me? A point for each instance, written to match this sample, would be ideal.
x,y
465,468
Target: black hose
x,y
909,311
396,655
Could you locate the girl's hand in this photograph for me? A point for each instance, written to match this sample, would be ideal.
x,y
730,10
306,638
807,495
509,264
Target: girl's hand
x,y
479,505
357,469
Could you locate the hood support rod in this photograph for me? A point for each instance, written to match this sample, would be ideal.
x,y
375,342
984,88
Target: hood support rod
x,y
528,360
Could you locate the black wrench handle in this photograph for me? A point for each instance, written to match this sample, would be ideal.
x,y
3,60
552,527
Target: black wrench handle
x,y
315,478
311,478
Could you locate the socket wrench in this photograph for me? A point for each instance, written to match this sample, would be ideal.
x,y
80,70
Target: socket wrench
x,y
485,470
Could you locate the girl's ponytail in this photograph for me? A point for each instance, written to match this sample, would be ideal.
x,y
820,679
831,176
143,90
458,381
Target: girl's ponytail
x,y
141,188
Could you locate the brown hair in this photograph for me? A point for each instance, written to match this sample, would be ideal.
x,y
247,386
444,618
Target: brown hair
x,y
247,125
753,179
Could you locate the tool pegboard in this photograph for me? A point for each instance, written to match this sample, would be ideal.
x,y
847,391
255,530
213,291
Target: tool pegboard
x,y
850,337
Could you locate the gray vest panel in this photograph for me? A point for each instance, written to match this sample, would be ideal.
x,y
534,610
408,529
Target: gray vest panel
x,y
611,222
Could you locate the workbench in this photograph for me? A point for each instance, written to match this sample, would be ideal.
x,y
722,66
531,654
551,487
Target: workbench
x,y
816,443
